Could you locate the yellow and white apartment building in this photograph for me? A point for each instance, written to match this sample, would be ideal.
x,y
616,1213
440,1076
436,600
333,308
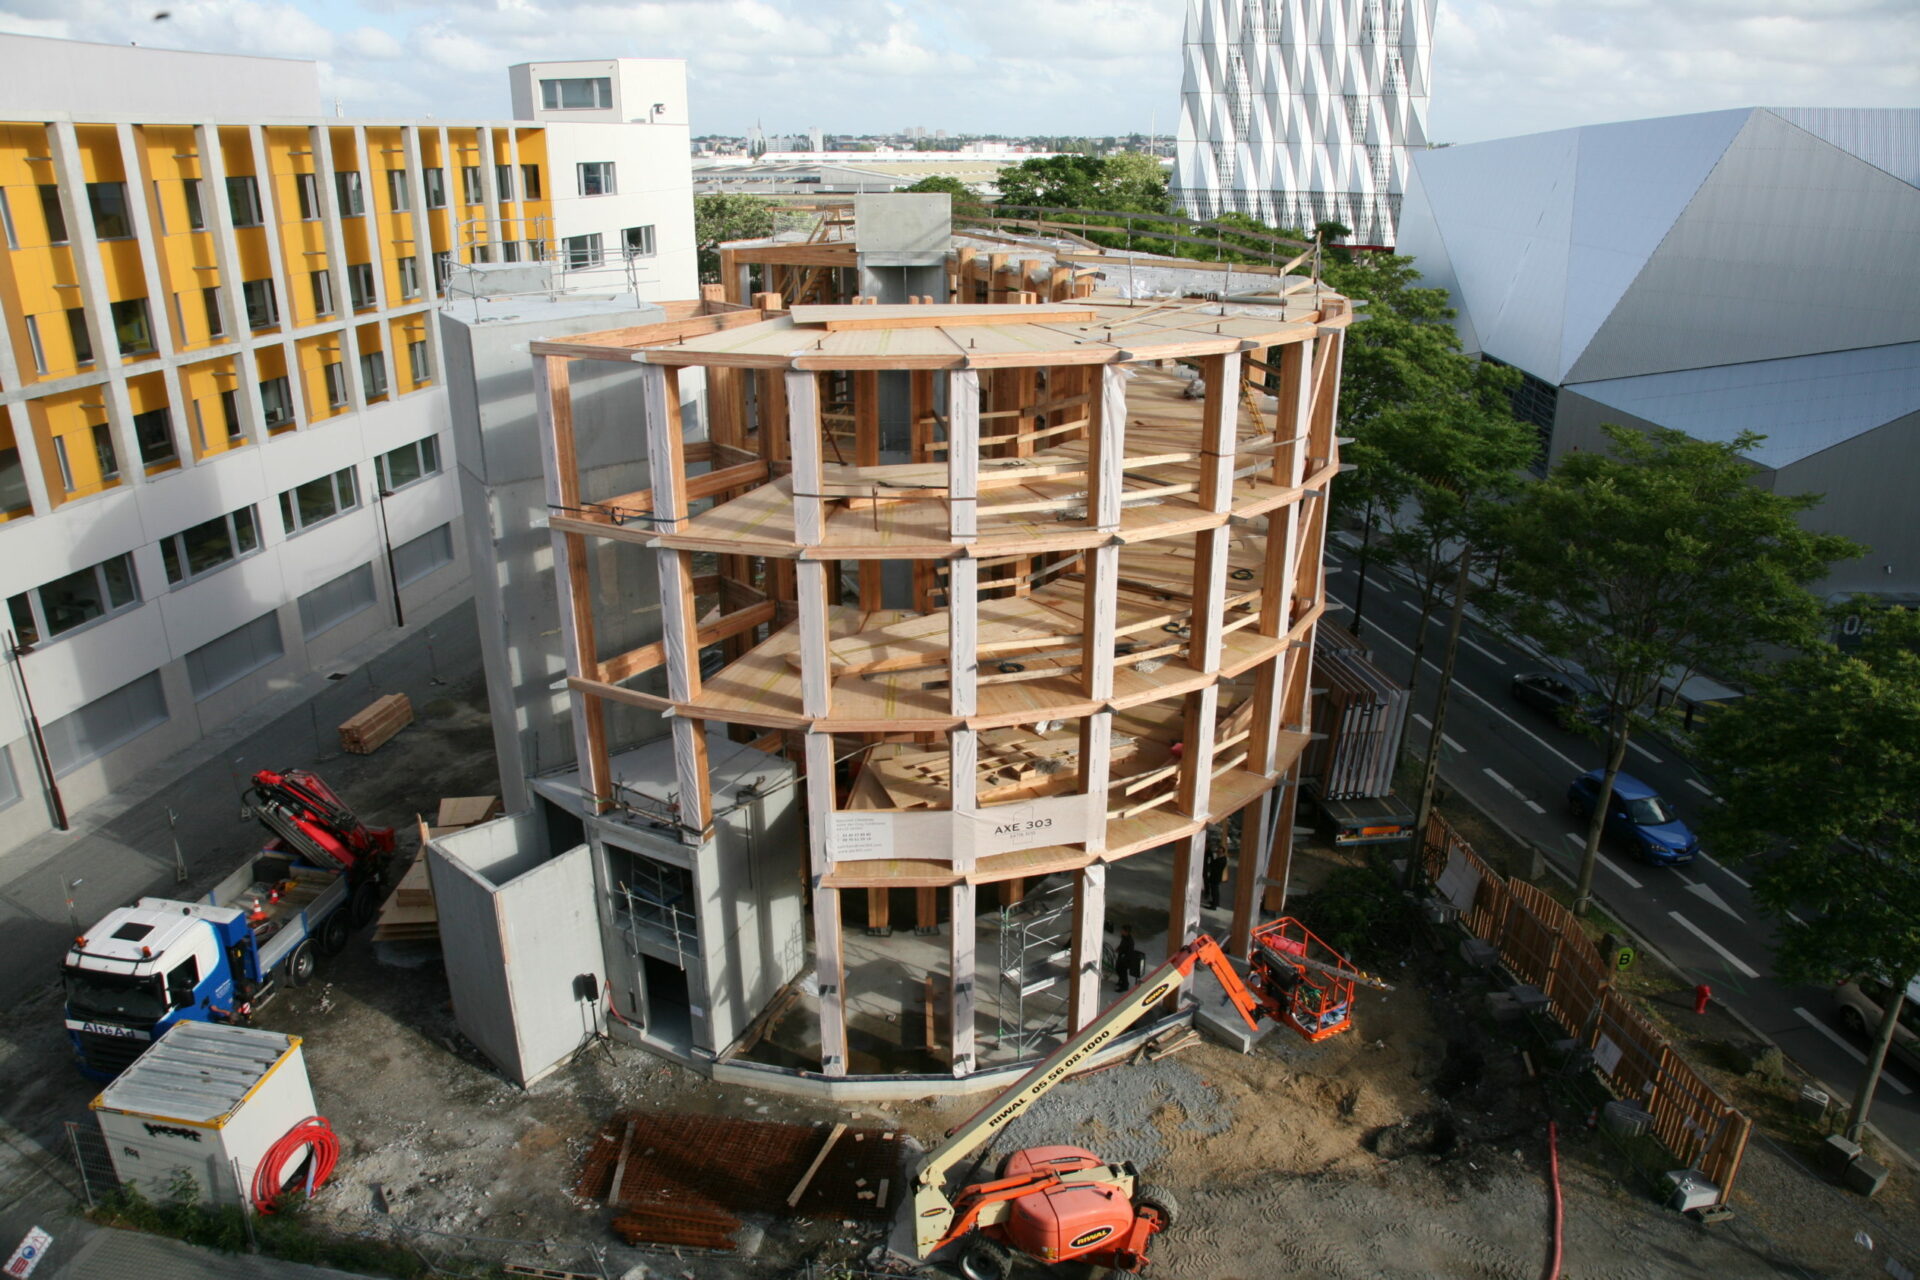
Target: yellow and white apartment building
x,y
224,444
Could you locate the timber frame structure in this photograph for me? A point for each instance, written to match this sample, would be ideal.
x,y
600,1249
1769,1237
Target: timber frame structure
x,y
1075,624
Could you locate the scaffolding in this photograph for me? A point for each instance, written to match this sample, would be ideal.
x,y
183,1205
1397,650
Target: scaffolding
x,y
1036,960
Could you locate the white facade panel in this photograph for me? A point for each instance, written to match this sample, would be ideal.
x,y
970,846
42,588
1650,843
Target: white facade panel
x,y
48,78
1304,111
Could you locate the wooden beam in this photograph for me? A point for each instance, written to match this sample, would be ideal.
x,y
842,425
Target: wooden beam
x,y
837,319
625,666
820,1158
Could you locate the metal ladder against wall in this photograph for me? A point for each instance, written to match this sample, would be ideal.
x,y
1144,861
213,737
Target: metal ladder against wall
x,y
1036,963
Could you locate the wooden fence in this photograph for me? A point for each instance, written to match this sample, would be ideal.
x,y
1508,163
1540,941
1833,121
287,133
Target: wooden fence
x,y
1541,944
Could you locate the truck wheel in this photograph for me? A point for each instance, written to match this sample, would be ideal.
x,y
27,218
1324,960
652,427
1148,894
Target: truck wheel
x,y
301,964
365,904
335,933
986,1259
1156,1205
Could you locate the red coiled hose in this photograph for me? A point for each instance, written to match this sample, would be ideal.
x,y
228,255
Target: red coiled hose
x,y
1559,1210
313,1132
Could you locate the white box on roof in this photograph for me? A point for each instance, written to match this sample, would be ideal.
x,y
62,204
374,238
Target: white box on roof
x,y
205,1098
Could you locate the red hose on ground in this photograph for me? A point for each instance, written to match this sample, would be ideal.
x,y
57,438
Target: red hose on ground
x,y
313,1132
1553,1174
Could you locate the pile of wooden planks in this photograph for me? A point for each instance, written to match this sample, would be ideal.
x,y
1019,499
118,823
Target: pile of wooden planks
x,y
366,731
411,914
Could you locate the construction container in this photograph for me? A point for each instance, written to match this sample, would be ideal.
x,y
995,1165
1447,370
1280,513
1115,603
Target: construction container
x,y
204,1103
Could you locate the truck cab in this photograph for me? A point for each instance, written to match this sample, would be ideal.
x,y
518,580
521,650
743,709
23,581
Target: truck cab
x,y
142,969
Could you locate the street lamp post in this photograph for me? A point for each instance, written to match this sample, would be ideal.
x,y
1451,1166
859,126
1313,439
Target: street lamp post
x,y
54,800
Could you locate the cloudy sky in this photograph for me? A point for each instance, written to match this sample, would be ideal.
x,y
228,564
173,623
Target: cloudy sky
x,y
1030,66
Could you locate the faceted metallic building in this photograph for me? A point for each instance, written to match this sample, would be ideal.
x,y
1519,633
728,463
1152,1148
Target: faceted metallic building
x,y
1303,111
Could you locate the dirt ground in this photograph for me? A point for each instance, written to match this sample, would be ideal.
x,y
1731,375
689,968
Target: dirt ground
x,y
1414,1145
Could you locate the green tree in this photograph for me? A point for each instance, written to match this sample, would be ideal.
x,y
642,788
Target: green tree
x,y
1127,181
720,218
965,199
1820,769
1653,562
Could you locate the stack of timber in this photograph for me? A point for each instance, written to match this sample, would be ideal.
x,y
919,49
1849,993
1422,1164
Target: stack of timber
x,y
1362,712
411,914
368,730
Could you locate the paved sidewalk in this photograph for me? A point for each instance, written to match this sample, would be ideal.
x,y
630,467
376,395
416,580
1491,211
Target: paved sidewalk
x,y
123,847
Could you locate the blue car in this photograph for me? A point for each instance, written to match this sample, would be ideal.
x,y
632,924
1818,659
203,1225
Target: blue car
x,y
1637,816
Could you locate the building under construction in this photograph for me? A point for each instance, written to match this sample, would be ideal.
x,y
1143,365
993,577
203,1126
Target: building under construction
x,y
985,593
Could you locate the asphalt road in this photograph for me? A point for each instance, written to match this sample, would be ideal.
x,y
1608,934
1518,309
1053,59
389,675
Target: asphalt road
x,y
1515,763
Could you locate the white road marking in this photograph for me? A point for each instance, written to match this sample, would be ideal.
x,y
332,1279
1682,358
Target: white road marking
x,y
1428,726
1730,873
1701,787
1533,805
1739,965
1581,843
1464,638
1686,879
1846,1048
1643,751
1547,746
1708,896
1502,783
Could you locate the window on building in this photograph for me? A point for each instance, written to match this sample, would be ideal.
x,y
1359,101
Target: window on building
x,y
336,385
9,784
470,184
399,193
50,210
373,374
216,323
209,545
509,251
582,251
638,241
481,253
436,184
353,200
409,272
235,655
503,181
442,267
112,220
332,603
33,344
196,211
230,413
322,284
596,178
14,495
276,402
308,187
588,94
103,451
105,724
82,340
319,500
360,285
65,464
530,182
536,250
415,559
72,601
133,327
243,195
419,361
6,224
1535,401
153,432
408,464
263,310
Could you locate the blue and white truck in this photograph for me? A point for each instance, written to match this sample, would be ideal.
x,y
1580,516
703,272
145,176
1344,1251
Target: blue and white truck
x,y
141,969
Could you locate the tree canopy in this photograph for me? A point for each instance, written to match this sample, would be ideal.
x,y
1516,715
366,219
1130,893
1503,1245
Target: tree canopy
x,y
1819,766
965,199
1127,180
719,218
1654,561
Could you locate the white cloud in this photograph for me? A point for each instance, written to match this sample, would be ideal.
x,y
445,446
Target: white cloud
x,y
1030,66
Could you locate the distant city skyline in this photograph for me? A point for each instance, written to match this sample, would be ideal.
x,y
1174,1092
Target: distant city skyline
x,y
1025,67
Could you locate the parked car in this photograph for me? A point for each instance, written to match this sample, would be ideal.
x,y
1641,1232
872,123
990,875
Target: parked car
x,y
1553,693
1862,1000
1637,816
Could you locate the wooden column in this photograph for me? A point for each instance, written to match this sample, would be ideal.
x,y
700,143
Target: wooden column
x,y
1089,916
1099,592
866,453
1286,798
1183,913
667,473
553,400
962,957
1277,577
1256,822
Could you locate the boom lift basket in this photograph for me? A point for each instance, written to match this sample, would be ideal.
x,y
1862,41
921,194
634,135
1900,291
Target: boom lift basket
x,y
1308,980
